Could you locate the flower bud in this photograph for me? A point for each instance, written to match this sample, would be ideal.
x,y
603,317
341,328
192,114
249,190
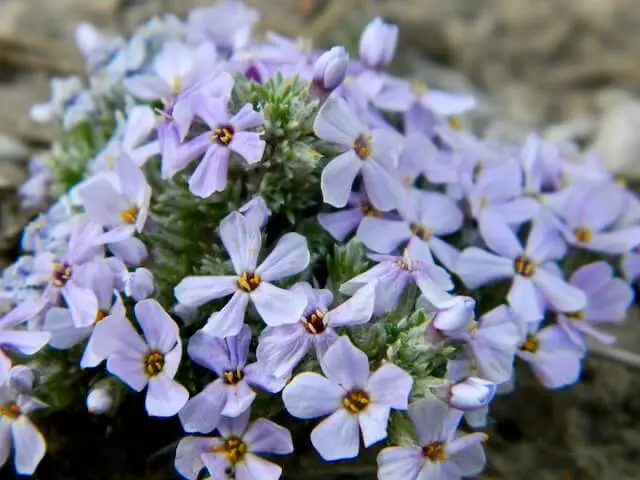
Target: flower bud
x,y
99,401
23,378
330,69
139,285
469,394
453,320
378,43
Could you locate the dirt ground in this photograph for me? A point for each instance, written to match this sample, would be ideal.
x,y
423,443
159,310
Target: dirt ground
x,y
561,66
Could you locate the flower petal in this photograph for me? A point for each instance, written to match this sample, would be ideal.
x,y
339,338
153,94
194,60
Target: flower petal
x,y
382,235
310,395
249,146
390,385
341,224
198,290
280,349
242,242
188,461
159,329
337,436
264,436
355,311
337,178
229,320
239,399
399,463
209,352
498,236
211,173
277,306
373,422
345,365
562,296
202,412
525,299
289,257
255,468
478,267
467,454
165,396
29,445
382,188
337,123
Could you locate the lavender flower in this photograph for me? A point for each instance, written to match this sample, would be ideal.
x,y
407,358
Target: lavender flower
x,y
119,204
234,453
394,273
441,452
256,212
15,428
378,43
330,69
139,284
12,337
226,134
340,224
425,216
532,278
230,394
281,348
452,319
374,153
152,361
608,299
275,305
469,394
353,398
554,358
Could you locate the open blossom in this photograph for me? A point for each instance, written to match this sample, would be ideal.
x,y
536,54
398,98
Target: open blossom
x,y
235,452
425,217
441,452
106,312
378,43
374,153
393,273
230,394
608,299
275,305
17,431
226,134
590,212
120,204
554,358
355,400
281,348
342,223
532,279
150,361
14,337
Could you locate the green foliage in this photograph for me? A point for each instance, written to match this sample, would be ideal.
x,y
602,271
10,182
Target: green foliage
x,y
347,261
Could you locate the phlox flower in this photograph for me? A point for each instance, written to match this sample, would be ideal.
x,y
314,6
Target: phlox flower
x,y
281,348
119,203
276,306
355,400
533,280
68,101
393,273
225,134
235,452
150,361
608,299
342,223
14,337
442,453
17,430
420,156
374,153
552,355
230,394
425,217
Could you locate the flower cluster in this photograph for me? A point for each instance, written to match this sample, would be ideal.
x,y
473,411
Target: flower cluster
x,y
191,215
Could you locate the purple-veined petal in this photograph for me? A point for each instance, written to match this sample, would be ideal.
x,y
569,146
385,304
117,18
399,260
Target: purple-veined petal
x,y
289,257
373,422
277,306
229,320
165,397
390,385
102,201
257,375
310,395
337,436
544,242
264,436
217,464
337,178
198,290
202,412
211,173
254,467
516,211
129,371
239,399
524,299
281,348
341,224
29,445
188,461
337,123
428,418
212,110
399,463
382,235
26,342
247,118
381,187
159,329
478,267
498,236
209,352
616,242
562,296
5,441
345,365
446,253
248,145
82,303
242,242
355,311
467,454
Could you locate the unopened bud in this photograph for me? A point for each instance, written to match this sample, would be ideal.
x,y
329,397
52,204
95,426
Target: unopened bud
x,y
470,394
330,69
99,401
453,320
23,378
378,43
139,285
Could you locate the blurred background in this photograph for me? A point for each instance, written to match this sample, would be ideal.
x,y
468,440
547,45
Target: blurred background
x,y
569,69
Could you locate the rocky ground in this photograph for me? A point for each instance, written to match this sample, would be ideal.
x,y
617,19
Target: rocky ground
x,y
569,68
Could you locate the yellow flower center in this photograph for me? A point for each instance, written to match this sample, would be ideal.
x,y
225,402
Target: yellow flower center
x,y
583,235
233,377
419,87
368,210
456,123
524,266
11,411
154,363
222,135
434,452
419,231
531,344
101,315
176,84
314,323
233,448
248,282
362,146
61,274
577,315
130,215
356,401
